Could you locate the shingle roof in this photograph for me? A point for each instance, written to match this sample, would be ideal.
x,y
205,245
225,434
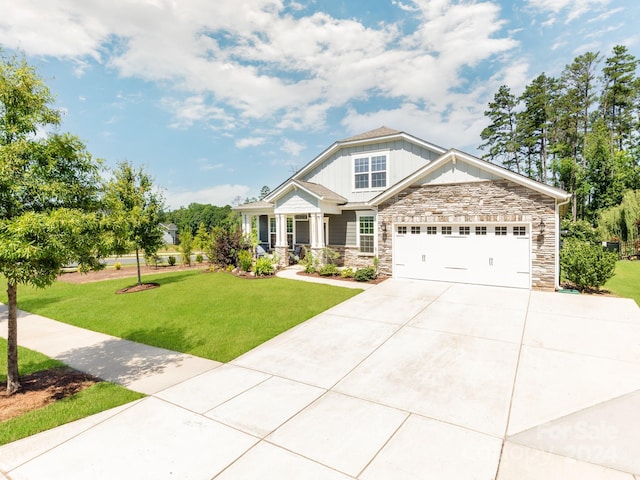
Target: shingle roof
x,y
378,132
254,205
322,191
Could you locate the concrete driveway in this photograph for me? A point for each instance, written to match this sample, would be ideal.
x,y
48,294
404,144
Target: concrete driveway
x,y
408,380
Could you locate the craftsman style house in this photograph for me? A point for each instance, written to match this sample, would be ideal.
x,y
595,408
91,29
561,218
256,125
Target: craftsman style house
x,y
423,211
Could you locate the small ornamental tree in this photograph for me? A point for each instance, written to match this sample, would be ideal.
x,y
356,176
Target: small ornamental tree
x,y
49,186
134,209
186,246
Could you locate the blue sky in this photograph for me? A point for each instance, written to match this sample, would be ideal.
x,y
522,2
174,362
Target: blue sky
x,y
218,98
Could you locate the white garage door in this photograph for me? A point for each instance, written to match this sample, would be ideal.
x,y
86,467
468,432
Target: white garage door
x,y
465,253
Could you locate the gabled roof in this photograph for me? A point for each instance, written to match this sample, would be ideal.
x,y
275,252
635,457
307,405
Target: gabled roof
x,y
453,155
376,133
316,190
260,205
321,192
382,134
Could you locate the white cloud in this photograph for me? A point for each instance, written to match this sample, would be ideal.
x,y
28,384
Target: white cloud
x,y
217,195
291,147
206,166
196,109
572,8
250,142
222,65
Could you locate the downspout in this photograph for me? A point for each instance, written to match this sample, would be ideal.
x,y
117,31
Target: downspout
x,y
558,205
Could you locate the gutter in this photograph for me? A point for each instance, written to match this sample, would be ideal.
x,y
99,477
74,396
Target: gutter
x,y
558,205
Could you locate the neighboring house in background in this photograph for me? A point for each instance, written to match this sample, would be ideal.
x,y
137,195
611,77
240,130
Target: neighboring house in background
x,y
169,233
425,212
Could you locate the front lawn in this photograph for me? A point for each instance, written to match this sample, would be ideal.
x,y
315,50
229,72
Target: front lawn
x,y
96,398
626,281
211,315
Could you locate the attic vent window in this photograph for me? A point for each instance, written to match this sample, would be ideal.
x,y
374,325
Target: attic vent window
x,y
370,173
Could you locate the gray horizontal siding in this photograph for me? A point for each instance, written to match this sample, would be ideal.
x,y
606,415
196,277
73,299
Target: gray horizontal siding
x,y
342,229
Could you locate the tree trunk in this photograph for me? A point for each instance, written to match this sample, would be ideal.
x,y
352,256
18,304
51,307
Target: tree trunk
x,y
13,379
138,263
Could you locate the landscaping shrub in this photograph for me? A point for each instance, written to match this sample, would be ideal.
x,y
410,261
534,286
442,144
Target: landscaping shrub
x,y
365,274
347,272
330,255
310,263
171,260
150,260
245,259
328,270
199,258
225,245
585,264
264,266
117,265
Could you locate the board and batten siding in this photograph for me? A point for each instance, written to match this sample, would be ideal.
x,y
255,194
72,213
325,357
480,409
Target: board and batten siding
x,y
459,172
296,201
336,173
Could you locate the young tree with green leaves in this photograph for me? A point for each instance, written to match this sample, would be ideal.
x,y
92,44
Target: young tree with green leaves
x,y
200,240
49,186
134,208
186,246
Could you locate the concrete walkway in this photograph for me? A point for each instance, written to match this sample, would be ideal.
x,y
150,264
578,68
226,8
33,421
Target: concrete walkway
x,y
408,380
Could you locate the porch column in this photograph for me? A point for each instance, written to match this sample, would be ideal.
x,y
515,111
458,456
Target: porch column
x,y
316,222
282,249
246,224
281,230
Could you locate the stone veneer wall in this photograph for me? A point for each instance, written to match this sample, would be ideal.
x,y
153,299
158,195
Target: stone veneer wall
x,y
477,202
351,257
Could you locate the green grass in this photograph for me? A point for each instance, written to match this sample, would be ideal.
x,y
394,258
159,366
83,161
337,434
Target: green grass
x,y
213,315
100,396
29,361
626,281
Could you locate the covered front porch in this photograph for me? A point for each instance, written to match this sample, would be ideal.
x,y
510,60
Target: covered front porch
x,y
311,217
282,233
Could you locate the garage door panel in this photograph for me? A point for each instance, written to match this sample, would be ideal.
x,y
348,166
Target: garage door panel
x,y
482,254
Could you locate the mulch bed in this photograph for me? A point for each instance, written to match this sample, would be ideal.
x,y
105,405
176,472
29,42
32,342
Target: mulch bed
x,y
375,281
138,288
125,272
41,389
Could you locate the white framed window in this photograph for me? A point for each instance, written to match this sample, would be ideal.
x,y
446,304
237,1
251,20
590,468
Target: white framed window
x,y
446,230
481,230
431,230
290,231
402,230
366,232
519,231
464,230
501,231
272,232
370,173
415,230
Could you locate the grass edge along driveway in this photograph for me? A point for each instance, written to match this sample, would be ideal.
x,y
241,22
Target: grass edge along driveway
x,y
212,315
626,281
94,399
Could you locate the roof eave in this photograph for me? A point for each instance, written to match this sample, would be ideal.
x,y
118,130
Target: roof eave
x,y
495,169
